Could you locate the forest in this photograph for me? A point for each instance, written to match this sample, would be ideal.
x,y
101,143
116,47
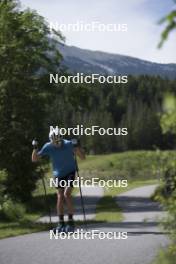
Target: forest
x,y
137,105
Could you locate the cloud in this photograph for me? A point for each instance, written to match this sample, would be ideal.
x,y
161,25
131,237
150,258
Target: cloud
x,y
140,15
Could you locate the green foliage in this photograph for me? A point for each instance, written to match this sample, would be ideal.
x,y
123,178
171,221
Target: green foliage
x,y
170,21
3,176
12,211
24,53
131,165
166,256
168,118
169,224
170,180
166,195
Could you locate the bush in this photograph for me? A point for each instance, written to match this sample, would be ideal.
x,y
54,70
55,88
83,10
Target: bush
x,y
12,211
3,176
170,180
170,221
166,256
166,195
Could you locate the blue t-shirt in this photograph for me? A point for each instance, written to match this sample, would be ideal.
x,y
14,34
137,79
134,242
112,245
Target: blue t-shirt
x,y
62,157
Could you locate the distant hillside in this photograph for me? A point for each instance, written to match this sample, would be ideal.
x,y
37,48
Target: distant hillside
x,y
87,61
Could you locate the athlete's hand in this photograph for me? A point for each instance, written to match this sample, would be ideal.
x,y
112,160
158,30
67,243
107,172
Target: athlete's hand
x,y
35,144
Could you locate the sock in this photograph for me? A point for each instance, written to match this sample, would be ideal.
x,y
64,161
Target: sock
x,y
70,219
61,219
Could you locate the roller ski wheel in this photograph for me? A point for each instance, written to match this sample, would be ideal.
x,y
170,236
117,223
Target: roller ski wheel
x,y
59,229
70,228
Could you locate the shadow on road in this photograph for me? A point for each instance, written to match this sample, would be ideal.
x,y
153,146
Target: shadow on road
x,y
138,204
128,204
132,228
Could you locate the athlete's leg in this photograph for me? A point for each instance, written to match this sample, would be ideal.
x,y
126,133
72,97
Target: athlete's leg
x,y
68,199
60,210
60,201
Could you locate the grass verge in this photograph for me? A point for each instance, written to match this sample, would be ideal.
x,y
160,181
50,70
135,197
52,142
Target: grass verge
x,y
9,229
166,256
131,165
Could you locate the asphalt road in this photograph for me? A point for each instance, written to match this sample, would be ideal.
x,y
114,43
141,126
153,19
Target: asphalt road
x,y
91,197
141,246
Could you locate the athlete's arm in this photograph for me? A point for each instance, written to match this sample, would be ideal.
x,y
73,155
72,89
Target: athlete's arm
x,y
35,156
80,152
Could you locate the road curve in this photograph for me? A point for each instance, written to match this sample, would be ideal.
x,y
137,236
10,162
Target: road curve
x,y
141,246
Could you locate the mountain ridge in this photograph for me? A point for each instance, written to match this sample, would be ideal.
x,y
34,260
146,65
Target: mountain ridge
x,y
87,61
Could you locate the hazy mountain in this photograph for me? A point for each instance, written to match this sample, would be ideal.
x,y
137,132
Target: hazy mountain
x,y
87,61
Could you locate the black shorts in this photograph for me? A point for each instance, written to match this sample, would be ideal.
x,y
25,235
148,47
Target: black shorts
x,y
66,181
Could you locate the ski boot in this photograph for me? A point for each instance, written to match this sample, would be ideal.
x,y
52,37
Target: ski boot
x,y
70,227
60,228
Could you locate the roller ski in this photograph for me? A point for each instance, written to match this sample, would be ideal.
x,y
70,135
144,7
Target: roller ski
x,y
59,229
70,228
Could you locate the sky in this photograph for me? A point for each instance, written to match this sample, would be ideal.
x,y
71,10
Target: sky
x,y
141,16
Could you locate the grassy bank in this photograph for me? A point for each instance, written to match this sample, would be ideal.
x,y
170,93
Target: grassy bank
x,y
131,165
166,256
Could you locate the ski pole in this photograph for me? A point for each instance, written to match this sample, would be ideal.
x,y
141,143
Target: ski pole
x,y
81,195
46,199
35,146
